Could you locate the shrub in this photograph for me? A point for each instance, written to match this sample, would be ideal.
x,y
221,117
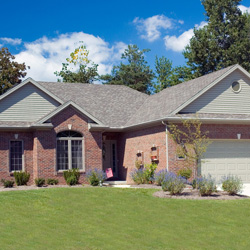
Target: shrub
x,y
194,183
7,183
149,172
96,177
52,181
206,185
173,183
21,178
160,176
39,182
72,180
138,176
185,173
138,164
232,184
71,176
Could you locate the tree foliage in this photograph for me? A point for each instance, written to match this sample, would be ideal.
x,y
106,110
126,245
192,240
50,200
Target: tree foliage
x,y
11,72
191,140
167,75
224,41
136,74
84,71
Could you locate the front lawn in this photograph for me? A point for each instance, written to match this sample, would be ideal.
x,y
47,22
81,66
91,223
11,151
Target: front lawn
x,y
106,218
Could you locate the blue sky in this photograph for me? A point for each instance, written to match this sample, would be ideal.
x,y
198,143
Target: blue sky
x,y
43,33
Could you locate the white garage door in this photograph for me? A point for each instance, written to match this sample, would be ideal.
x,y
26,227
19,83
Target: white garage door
x,y
227,157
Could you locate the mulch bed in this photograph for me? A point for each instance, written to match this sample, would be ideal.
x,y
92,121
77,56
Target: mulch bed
x,y
193,194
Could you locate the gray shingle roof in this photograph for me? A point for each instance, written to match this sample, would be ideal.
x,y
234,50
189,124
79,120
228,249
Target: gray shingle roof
x,y
162,104
117,105
113,105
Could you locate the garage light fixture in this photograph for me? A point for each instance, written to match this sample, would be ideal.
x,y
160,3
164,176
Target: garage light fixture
x,y
238,136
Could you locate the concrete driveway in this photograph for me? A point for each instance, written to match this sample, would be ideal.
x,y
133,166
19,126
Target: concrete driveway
x,y
246,189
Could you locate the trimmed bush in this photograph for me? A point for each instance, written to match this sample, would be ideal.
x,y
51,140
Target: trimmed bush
x,y
144,175
39,182
149,172
206,185
71,176
173,183
138,176
232,184
160,176
21,178
71,180
7,183
185,173
96,177
52,181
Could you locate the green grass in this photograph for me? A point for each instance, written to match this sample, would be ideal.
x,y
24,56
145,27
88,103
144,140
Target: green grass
x,y
105,218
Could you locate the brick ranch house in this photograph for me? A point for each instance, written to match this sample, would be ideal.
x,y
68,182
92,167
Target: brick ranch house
x,y
48,127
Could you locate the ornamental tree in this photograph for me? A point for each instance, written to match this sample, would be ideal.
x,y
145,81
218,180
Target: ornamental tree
x,y
78,68
191,140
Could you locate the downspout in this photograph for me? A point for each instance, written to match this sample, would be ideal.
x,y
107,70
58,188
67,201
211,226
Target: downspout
x,y
167,162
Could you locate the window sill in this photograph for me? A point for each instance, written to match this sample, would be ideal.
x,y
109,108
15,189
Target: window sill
x,y
61,171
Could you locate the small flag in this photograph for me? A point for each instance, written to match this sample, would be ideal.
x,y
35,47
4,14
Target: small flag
x,y
109,173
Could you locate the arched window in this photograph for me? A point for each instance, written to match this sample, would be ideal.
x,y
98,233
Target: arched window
x,y
70,150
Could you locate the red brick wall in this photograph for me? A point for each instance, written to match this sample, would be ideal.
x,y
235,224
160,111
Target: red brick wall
x,y
5,138
46,146
216,131
130,142
40,147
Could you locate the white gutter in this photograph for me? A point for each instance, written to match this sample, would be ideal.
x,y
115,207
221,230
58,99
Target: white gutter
x,y
167,155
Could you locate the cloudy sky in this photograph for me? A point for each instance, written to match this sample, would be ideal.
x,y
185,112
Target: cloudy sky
x,y
43,33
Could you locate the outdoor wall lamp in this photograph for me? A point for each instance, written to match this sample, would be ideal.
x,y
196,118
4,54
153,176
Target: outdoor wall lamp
x,y
16,136
69,126
238,136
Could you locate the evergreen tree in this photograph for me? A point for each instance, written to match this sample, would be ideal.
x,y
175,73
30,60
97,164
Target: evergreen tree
x,y
136,74
224,41
167,75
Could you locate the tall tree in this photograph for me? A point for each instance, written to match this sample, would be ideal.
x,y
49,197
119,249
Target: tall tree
x,y
11,72
167,75
136,74
82,69
223,41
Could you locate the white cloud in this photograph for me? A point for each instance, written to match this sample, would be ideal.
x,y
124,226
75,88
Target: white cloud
x,y
151,26
45,56
244,9
178,44
15,41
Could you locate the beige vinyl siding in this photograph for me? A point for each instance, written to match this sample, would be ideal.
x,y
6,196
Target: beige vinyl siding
x,y
26,104
222,99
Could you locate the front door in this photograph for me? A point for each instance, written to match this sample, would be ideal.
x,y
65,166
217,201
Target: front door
x,y
110,156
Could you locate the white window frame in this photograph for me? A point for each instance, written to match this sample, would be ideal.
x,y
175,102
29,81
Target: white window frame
x,y
70,139
12,171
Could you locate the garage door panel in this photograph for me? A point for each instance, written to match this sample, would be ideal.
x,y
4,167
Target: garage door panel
x,y
227,157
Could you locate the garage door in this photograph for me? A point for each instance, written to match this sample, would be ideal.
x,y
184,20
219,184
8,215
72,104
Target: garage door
x,y
227,157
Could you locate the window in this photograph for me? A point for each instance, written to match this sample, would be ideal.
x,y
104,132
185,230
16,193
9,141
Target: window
x,y
16,156
69,150
236,87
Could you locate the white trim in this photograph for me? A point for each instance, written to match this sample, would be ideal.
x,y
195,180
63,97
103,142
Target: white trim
x,y
30,80
185,104
65,105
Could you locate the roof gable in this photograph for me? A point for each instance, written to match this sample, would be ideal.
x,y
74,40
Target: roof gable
x,y
64,106
227,72
222,99
27,103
